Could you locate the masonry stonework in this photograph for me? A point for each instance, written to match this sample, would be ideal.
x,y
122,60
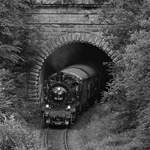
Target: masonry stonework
x,y
61,25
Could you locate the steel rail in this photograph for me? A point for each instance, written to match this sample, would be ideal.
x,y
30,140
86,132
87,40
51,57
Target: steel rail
x,y
66,140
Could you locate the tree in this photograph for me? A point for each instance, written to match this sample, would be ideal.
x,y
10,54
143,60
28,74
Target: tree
x,y
130,36
12,28
13,58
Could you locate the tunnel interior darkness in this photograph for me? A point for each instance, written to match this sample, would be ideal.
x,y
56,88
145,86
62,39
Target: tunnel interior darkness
x,y
76,53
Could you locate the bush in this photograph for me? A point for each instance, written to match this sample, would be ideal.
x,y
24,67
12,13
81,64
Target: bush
x,y
102,131
15,136
143,130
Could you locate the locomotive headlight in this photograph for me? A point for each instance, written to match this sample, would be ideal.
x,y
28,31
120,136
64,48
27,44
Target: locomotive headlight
x,y
68,107
47,105
58,88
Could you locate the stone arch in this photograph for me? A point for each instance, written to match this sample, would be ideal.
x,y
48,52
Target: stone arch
x,y
34,85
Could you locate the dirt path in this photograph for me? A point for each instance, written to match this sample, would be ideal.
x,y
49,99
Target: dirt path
x,y
52,139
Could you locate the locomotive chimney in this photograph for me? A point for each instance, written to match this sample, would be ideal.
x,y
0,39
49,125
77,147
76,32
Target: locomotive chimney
x,y
60,76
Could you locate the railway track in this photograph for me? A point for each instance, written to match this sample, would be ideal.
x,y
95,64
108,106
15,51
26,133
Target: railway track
x,y
55,139
66,140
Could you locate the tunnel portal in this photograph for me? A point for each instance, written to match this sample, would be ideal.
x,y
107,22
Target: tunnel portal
x,y
73,33
68,50
76,53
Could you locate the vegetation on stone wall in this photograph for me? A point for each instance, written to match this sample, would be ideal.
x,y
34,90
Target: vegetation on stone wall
x,y
131,83
13,59
128,94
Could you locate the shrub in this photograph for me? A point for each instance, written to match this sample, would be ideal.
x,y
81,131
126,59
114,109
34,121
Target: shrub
x,y
15,136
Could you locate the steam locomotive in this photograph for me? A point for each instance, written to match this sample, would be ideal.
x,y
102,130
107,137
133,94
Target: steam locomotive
x,y
68,92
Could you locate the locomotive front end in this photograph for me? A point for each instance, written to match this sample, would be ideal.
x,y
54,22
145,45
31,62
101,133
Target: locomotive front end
x,y
69,92
58,108
53,116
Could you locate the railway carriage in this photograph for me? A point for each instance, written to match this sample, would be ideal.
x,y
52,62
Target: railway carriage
x,y
68,92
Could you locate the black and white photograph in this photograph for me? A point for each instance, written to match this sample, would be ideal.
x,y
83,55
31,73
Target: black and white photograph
x,y
74,74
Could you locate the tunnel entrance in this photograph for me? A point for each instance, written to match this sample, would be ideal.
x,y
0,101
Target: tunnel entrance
x,y
76,53
66,50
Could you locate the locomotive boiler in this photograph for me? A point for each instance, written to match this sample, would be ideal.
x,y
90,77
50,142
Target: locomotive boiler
x,y
68,92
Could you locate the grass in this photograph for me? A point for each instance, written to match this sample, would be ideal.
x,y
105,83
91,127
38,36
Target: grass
x,y
101,133
18,136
